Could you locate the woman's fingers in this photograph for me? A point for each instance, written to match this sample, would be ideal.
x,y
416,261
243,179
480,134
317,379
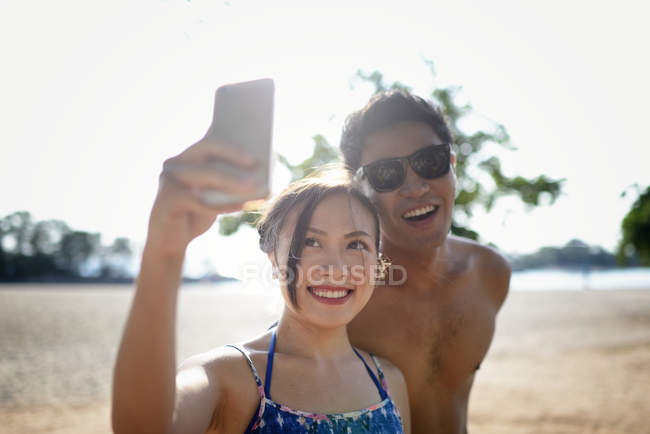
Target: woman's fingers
x,y
179,197
196,186
208,149
215,175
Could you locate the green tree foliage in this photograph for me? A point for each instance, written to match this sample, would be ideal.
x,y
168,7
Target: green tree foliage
x,y
116,259
635,244
467,146
323,154
76,248
50,250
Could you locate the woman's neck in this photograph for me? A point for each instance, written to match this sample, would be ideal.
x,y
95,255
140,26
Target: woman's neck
x,y
309,340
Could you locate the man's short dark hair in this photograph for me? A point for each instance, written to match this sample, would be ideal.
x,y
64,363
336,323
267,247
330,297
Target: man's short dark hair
x,y
384,110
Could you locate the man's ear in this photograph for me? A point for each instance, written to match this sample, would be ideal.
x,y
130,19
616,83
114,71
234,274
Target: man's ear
x,y
453,167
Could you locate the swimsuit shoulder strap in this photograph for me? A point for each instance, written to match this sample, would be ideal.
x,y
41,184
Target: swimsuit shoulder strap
x,y
383,391
260,407
250,363
269,364
380,371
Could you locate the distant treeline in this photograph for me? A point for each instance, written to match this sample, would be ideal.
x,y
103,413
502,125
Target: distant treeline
x,y
50,250
575,254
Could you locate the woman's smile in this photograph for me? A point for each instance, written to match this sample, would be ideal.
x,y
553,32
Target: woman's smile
x,y
330,294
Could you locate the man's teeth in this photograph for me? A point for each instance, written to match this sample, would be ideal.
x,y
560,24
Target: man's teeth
x,y
329,293
419,211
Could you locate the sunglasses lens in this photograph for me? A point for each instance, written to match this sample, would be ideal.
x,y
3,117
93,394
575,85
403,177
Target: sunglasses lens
x,y
385,175
431,162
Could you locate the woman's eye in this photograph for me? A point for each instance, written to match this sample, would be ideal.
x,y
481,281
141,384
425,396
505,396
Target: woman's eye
x,y
312,242
358,245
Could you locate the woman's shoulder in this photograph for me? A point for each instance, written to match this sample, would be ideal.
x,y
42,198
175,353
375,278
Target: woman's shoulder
x,y
396,385
380,363
383,367
229,359
392,373
219,382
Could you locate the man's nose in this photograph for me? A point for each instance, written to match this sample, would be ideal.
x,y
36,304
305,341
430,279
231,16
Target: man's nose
x,y
414,185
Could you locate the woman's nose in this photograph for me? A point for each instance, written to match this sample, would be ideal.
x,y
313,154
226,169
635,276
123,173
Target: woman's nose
x,y
334,267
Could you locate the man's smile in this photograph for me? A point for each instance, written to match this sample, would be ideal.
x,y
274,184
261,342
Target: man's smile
x,y
421,215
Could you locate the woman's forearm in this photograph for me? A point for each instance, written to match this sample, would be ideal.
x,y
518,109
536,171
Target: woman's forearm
x,y
144,377
145,370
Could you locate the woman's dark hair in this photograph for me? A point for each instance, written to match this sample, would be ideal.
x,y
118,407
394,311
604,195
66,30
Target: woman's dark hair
x,y
305,195
385,110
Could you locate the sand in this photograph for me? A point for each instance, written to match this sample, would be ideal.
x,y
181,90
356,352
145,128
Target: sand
x,y
567,362
561,361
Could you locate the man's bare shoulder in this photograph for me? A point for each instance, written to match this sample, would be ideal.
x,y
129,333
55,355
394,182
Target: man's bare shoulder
x,y
493,268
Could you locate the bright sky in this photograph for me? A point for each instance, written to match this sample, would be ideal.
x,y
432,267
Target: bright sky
x,y
95,95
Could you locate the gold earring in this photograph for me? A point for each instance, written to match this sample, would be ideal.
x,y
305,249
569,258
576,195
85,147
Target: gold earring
x,y
383,264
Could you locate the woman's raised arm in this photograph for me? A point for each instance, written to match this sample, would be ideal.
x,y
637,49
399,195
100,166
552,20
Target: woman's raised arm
x,y
144,382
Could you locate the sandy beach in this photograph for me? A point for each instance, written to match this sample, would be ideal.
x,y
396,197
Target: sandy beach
x,y
561,361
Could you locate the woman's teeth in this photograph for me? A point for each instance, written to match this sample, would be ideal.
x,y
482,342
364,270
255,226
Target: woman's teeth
x,y
329,293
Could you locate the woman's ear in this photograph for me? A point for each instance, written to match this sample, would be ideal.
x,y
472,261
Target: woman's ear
x,y
274,267
453,161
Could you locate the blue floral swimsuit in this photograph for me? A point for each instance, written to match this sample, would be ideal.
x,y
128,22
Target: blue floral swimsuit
x,y
272,417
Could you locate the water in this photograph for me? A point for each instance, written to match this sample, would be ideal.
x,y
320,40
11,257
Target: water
x,y
557,280
532,280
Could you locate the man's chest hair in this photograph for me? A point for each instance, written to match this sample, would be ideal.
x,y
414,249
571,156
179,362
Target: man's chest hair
x,y
457,339
444,336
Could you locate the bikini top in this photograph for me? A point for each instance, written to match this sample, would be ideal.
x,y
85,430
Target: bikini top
x,y
273,417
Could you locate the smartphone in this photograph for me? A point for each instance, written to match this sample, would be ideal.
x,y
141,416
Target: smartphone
x,y
243,117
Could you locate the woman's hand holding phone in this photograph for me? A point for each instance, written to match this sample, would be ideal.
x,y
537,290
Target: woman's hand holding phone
x,y
216,175
229,166
179,214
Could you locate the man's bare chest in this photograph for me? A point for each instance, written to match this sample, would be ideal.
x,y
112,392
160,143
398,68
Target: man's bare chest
x,y
439,339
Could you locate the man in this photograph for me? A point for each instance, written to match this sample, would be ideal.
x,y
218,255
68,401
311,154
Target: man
x,y
437,325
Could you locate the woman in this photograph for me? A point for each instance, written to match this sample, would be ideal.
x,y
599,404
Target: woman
x,y
322,239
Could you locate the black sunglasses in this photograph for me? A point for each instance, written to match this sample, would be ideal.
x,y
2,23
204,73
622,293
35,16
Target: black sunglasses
x,y
388,174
